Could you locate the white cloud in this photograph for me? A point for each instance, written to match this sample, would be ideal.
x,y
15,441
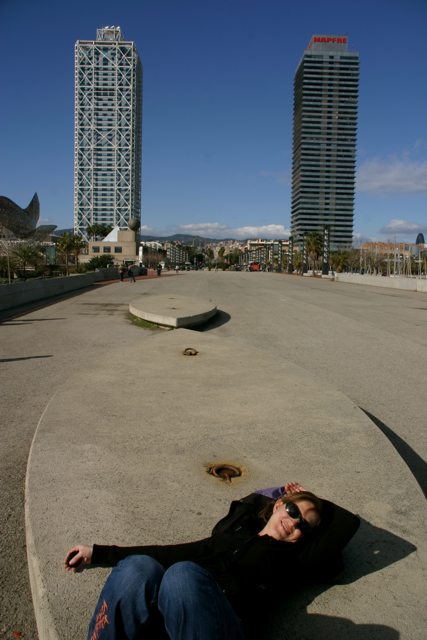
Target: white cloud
x,y
392,177
403,227
282,177
203,228
216,230
148,231
360,238
44,221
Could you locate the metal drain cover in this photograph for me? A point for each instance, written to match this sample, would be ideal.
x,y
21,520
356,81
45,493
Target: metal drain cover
x,y
225,471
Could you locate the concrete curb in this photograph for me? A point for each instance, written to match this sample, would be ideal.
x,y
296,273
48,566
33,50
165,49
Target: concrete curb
x,y
16,295
172,310
39,592
405,284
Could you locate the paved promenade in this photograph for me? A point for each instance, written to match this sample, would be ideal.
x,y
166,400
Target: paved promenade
x,y
346,347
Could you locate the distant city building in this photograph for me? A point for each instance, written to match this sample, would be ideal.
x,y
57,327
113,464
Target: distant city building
x,y
420,239
402,248
175,253
108,131
324,140
151,245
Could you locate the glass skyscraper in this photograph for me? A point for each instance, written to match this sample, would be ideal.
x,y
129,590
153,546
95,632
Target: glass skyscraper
x,y
108,131
324,140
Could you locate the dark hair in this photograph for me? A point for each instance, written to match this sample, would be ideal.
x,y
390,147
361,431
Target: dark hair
x,y
267,512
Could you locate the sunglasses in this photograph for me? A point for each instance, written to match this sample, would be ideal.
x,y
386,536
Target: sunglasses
x,y
295,514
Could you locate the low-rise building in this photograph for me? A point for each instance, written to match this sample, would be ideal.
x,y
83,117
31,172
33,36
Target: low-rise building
x,y
120,244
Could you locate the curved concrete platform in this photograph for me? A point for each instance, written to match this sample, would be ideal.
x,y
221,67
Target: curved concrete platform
x,y
172,311
126,464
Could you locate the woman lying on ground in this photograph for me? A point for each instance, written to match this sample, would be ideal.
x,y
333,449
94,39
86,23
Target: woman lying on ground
x,y
217,588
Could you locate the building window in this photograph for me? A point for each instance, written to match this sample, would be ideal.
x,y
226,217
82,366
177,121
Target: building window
x,y
107,249
95,249
117,249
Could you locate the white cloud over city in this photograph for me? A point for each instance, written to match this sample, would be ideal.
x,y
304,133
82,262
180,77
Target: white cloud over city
x,y
219,231
392,177
361,238
216,230
403,227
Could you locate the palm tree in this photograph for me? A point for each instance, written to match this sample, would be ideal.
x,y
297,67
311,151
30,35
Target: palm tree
x,y
209,253
98,230
314,246
65,247
78,245
221,253
28,254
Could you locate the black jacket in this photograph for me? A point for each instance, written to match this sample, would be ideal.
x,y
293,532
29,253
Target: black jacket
x,y
251,568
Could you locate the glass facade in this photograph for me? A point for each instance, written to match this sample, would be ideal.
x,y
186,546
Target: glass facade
x,y
324,140
108,131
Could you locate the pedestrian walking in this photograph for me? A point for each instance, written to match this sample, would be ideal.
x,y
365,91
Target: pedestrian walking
x,y
131,276
121,273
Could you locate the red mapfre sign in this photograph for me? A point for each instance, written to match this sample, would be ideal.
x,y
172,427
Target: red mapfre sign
x,y
326,39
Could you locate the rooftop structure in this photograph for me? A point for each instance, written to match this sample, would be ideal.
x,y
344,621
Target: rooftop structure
x,y
108,131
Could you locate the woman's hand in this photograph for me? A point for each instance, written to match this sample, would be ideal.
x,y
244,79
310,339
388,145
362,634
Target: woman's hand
x,y
83,556
293,487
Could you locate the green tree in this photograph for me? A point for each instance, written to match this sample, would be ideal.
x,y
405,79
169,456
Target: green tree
x,y
314,247
221,253
284,260
65,247
338,260
353,259
98,230
78,245
8,264
99,262
29,254
209,253
297,260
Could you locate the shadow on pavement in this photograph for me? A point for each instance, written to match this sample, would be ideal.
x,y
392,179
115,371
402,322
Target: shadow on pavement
x,y
372,550
27,358
314,626
417,466
220,318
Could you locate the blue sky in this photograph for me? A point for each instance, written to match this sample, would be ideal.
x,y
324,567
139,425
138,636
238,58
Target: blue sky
x,y
218,97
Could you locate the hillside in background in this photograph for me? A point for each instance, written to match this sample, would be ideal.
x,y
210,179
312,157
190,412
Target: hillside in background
x,y
185,238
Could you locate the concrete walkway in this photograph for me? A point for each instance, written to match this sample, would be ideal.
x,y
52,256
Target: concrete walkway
x,y
354,346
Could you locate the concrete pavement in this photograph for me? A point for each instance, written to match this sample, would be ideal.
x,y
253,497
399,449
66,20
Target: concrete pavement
x,y
345,335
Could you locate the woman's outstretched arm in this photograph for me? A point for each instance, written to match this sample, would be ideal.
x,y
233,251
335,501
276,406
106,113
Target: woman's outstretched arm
x,y
80,555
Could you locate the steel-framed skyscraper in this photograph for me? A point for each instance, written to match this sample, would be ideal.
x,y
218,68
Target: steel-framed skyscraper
x,y
324,140
108,131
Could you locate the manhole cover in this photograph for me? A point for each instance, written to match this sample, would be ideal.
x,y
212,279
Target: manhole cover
x,y
190,352
225,471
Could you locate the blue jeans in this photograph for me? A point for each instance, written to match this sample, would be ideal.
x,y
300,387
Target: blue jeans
x,y
142,600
